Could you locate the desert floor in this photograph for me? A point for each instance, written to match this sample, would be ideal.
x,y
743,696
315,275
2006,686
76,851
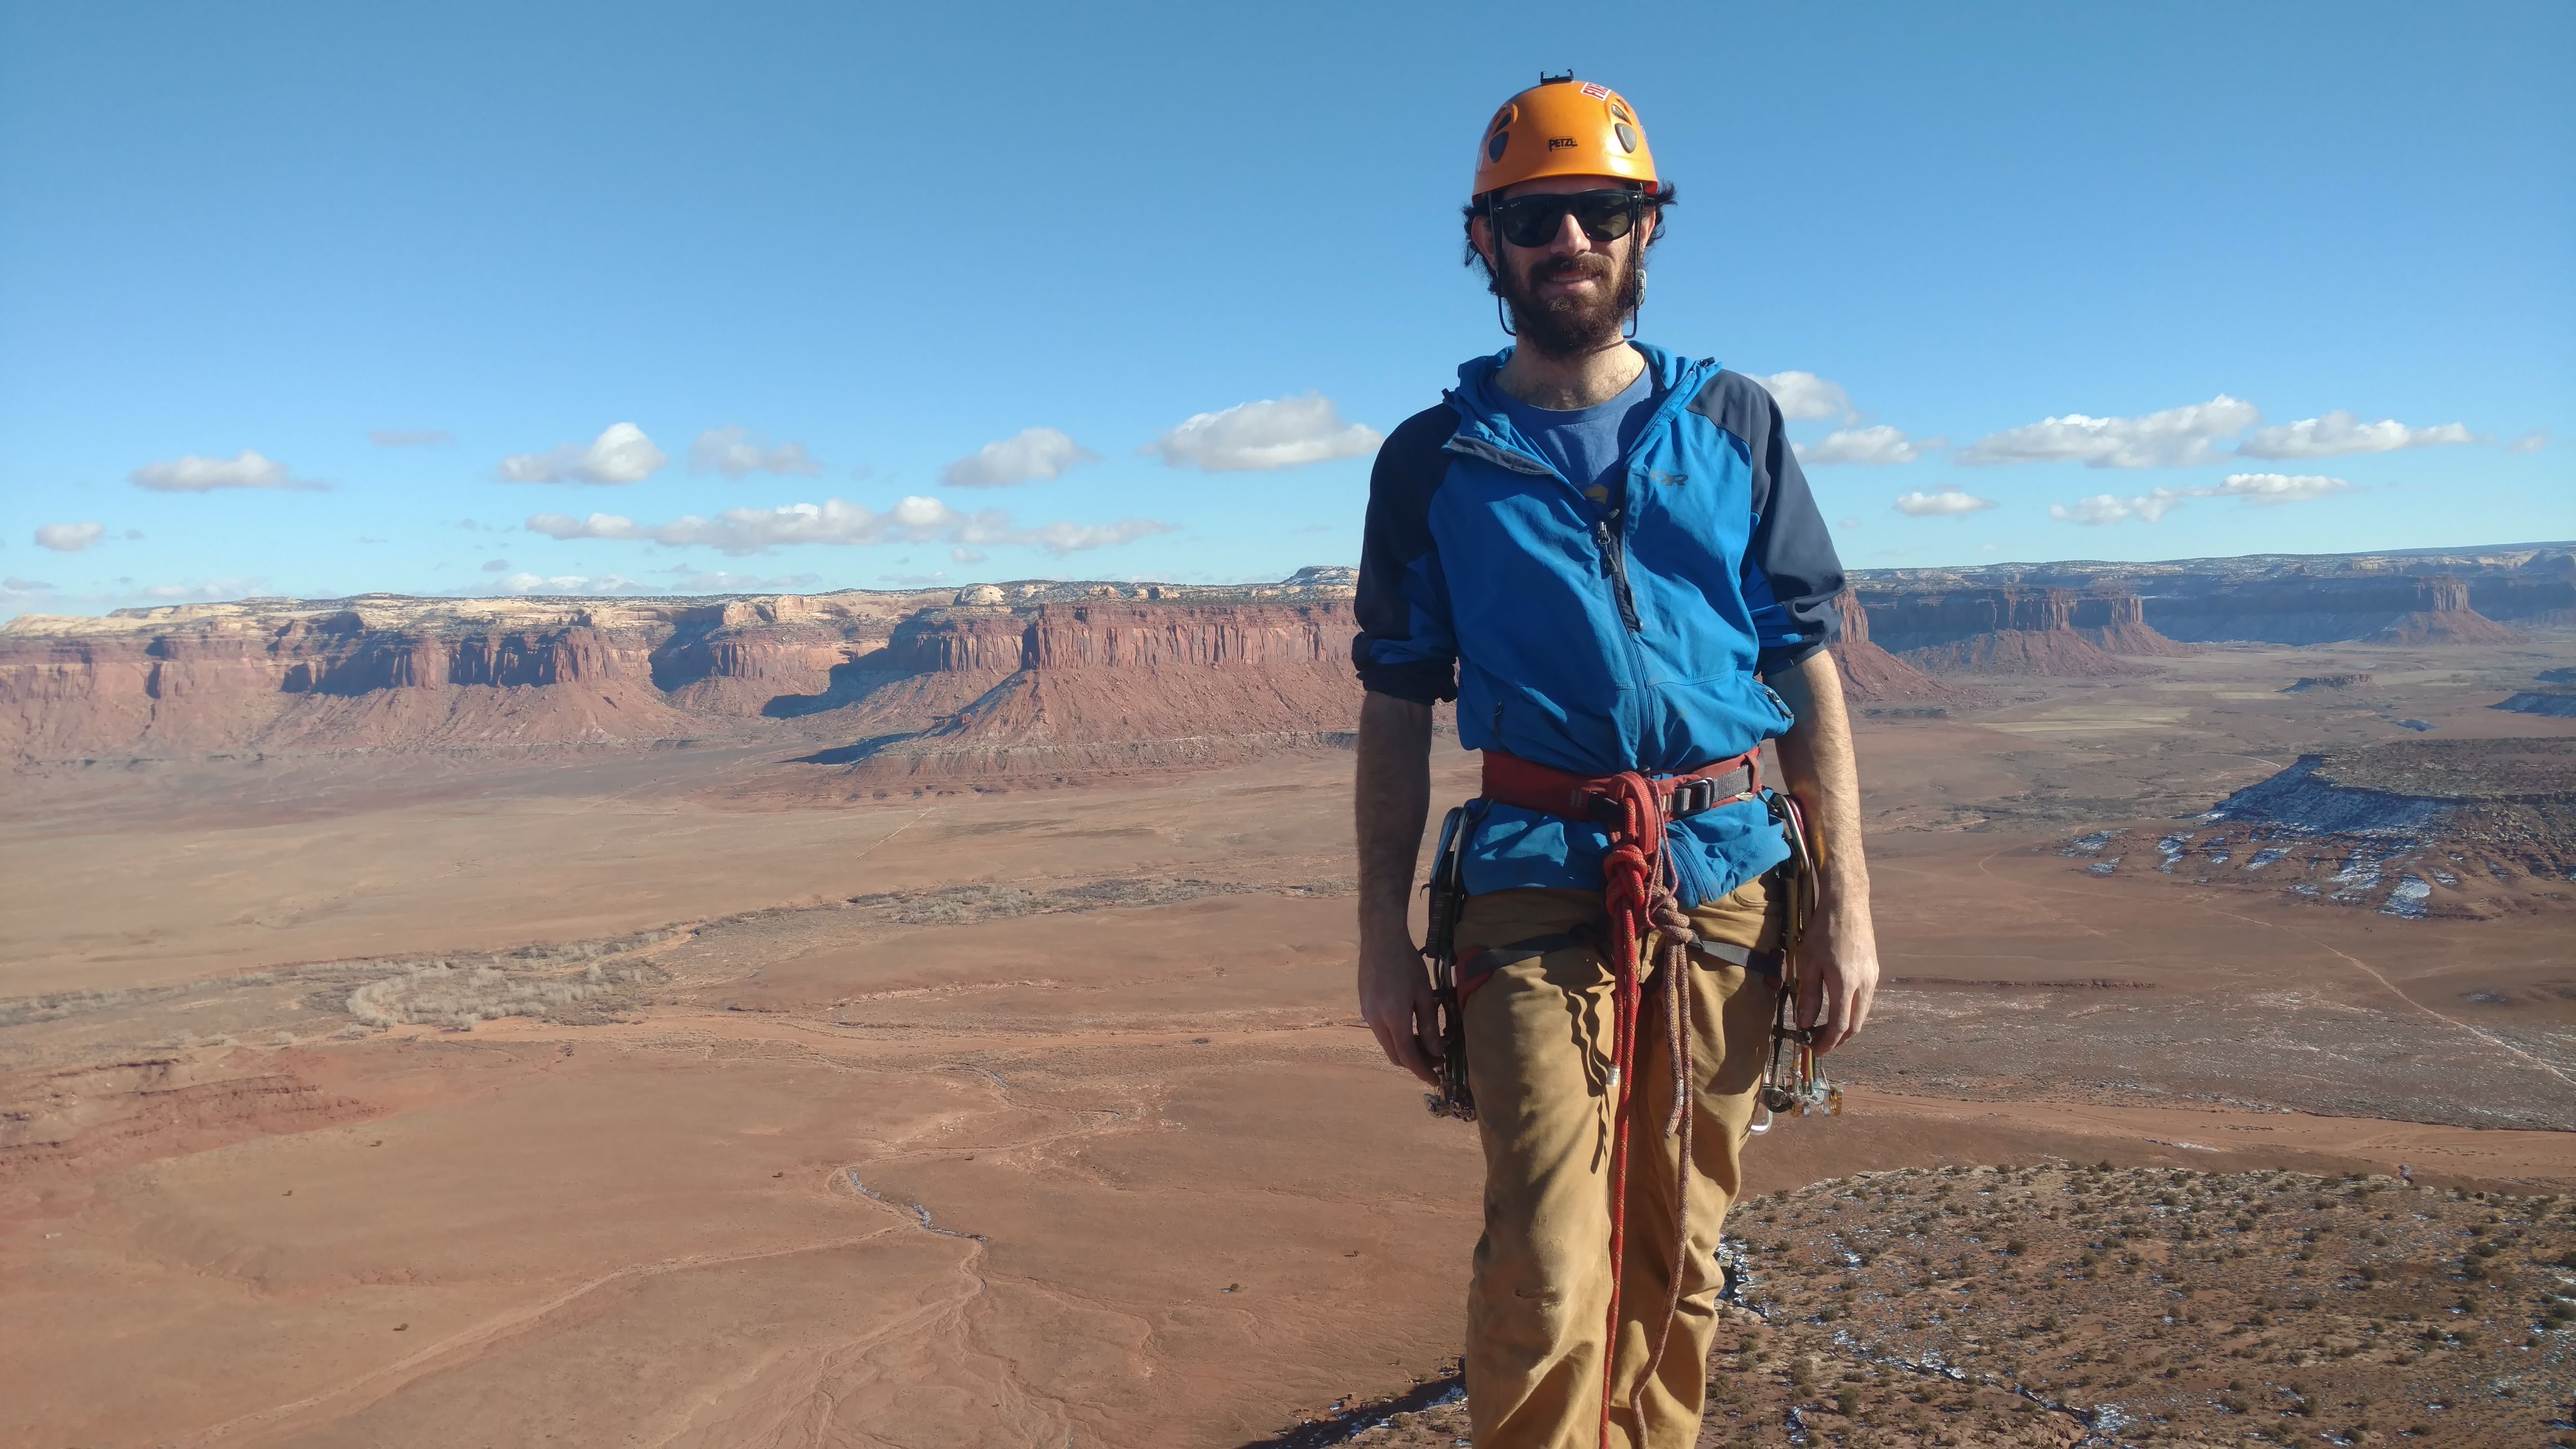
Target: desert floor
x,y
1044,1117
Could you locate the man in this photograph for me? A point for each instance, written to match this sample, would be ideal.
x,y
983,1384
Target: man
x,y
1607,555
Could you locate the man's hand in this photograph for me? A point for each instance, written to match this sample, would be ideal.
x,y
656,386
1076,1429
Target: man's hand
x,y
1838,964
1837,975
1393,801
1395,997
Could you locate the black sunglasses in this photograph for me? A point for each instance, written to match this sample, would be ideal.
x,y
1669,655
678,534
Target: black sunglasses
x,y
1534,221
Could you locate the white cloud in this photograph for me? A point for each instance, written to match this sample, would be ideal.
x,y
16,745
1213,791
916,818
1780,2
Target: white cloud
x,y
678,579
2531,442
1805,397
2175,438
527,583
1942,504
1063,538
737,452
2273,488
2103,508
965,555
1877,444
1028,456
192,474
69,537
2342,432
740,531
496,566
2152,506
1252,437
622,454
689,580
411,437
14,585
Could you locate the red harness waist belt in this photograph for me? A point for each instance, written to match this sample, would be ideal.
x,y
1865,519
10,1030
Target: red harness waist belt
x,y
1604,799
1637,897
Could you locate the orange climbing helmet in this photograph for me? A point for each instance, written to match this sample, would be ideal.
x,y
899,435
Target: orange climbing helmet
x,y
1564,127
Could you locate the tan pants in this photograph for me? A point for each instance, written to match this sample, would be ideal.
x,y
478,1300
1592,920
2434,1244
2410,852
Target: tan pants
x,y
1538,1055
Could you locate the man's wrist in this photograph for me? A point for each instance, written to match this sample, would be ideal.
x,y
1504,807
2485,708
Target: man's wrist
x,y
1397,938
1845,895
1382,921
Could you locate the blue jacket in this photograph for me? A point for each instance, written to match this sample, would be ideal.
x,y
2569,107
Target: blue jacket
x,y
1599,635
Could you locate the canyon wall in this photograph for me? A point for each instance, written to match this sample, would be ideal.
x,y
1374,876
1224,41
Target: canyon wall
x,y
1120,664
1871,675
2317,610
2019,629
1048,677
2405,596
1084,689
378,673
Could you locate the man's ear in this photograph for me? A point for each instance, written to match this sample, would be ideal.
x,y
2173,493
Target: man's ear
x,y
1480,232
1646,227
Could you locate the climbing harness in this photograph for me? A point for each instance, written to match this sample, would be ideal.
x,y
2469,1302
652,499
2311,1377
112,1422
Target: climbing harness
x,y
1649,937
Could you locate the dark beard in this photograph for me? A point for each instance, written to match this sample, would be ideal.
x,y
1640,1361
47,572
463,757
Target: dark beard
x,y
1572,326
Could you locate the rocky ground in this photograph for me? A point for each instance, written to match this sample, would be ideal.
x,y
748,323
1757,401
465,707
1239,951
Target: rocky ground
x,y
2065,1305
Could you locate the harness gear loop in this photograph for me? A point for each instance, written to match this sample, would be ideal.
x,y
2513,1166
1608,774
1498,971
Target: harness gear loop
x,y
1791,1080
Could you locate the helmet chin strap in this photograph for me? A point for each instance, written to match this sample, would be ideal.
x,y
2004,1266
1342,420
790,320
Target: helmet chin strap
x,y
1502,314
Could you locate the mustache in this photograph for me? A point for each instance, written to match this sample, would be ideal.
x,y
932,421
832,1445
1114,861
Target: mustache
x,y
1561,269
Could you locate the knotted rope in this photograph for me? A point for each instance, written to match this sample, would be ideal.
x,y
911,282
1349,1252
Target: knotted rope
x,y
1638,896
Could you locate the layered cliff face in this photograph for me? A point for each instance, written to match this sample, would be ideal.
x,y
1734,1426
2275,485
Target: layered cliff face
x,y
1871,675
2415,596
2541,590
2013,630
2317,610
2115,620
1111,687
230,678
385,673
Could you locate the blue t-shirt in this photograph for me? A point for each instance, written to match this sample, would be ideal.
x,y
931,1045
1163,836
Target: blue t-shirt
x,y
1586,444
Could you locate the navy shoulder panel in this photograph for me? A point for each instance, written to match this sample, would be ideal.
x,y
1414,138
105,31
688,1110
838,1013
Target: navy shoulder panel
x,y
1792,552
1402,648
1414,456
1743,409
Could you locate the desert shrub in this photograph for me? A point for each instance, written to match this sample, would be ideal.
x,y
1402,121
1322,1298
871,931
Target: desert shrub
x,y
458,997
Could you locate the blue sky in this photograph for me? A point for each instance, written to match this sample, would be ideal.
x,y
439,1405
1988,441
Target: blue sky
x,y
431,268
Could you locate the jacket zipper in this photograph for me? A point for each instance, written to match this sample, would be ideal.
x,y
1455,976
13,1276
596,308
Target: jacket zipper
x,y
1605,530
1614,566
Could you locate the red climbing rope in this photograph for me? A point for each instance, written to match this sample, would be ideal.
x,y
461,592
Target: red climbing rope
x,y
1637,897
